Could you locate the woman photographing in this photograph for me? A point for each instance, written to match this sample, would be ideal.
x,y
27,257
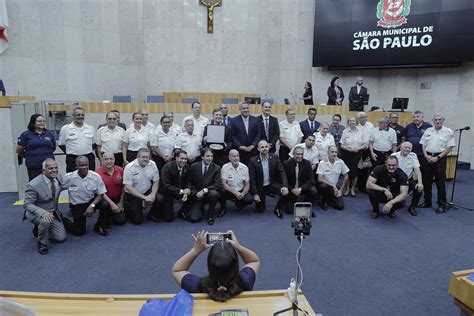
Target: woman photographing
x,y
225,280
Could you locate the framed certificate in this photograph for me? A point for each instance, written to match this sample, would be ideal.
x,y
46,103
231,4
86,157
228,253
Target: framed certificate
x,y
215,136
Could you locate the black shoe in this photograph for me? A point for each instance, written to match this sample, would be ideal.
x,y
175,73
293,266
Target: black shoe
x,y
375,215
35,231
324,205
278,213
42,248
154,219
412,211
222,213
440,210
210,221
100,230
312,214
425,205
392,215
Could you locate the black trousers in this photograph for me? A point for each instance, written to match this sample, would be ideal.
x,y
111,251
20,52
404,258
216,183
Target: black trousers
x,y
283,153
131,155
109,216
415,199
290,200
78,225
226,195
134,207
33,172
71,162
118,159
273,190
363,174
194,208
381,157
438,171
378,197
329,196
160,162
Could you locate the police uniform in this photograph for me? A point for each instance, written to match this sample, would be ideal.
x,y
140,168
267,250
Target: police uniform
x,y
110,140
174,128
199,123
382,141
310,154
142,180
190,143
323,143
292,134
408,164
435,142
82,192
78,141
331,172
236,179
352,139
165,143
135,139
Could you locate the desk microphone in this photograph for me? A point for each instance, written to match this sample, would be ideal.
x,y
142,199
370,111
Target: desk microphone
x,y
294,101
464,128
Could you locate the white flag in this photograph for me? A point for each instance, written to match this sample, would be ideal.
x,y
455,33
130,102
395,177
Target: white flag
x,y
3,26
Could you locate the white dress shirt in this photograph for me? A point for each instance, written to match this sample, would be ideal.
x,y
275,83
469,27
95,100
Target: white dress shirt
x,y
407,163
110,140
331,172
291,132
136,139
353,138
189,143
78,140
199,123
140,178
310,154
235,177
438,140
165,142
323,143
383,139
83,190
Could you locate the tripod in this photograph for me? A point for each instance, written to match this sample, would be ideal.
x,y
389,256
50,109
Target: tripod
x,y
451,205
294,304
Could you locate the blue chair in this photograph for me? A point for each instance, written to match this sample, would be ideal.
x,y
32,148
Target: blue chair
x,y
230,100
189,100
122,99
155,99
267,100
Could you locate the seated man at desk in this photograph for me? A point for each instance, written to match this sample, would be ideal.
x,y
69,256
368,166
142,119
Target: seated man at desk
x,y
41,206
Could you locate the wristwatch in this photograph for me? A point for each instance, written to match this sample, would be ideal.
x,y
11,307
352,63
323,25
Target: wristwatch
x,y
92,205
205,190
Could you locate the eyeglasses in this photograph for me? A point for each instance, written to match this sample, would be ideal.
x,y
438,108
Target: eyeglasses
x,y
166,122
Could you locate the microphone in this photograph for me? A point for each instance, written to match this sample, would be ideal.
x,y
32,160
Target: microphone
x,y
464,128
294,101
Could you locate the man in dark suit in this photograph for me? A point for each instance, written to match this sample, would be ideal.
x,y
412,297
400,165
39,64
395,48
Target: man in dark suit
x,y
267,176
41,206
310,125
206,184
269,129
174,184
225,117
220,155
300,179
245,133
357,93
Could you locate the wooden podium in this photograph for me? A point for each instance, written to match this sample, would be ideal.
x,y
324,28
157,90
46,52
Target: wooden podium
x,y
56,304
462,289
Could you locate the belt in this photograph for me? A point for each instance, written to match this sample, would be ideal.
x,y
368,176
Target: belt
x,y
433,154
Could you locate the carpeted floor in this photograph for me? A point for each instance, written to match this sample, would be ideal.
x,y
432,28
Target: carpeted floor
x,y
351,263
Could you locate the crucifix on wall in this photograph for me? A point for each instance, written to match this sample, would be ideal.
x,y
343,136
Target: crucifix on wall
x,y
210,4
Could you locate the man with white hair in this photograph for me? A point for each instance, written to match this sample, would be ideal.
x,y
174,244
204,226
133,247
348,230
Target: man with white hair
x,y
408,162
382,142
437,142
365,127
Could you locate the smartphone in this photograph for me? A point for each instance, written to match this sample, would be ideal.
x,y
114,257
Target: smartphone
x,y
214,238
303,209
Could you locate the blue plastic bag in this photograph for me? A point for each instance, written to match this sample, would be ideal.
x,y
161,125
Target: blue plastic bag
x,y
180,305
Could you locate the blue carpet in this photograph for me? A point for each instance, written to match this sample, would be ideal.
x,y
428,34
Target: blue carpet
x,y
352,264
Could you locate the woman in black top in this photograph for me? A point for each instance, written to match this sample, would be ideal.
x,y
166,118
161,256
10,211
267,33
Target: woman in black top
x,y
308,94
335,93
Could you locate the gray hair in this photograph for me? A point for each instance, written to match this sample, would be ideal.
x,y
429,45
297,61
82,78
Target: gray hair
x,y
186,122
438,114
143,150
383,119
361,114
47,161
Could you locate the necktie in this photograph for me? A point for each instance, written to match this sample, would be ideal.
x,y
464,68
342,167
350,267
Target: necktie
x,y
312,127
205,170
53,194
297,171
267,132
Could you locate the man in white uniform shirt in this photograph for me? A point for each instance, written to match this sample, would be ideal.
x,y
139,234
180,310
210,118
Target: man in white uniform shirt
x,y
323,139
365,127
141,181
77,139
235,183
85,190
190,141
408,162
149,127
328,176
290,134
310,151
437,142
382,142
199,121
175,128
109,139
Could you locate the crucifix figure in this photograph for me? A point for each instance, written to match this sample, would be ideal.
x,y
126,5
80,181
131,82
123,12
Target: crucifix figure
x,y
210,4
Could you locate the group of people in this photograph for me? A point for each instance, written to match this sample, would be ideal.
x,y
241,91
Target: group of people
x,y
145,169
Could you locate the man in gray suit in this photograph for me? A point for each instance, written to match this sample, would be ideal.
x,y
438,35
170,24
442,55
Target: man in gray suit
x,y
41,206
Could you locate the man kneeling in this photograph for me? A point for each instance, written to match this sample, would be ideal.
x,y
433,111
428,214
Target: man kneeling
x,y
387,184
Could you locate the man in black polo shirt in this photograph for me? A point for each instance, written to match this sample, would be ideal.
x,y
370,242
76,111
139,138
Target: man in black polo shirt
x,y
387,184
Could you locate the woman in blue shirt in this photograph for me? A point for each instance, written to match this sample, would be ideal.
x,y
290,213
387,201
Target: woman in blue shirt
x,y
35,145
224,280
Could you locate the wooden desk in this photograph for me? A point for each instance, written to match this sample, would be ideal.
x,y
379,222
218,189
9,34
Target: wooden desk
x,y
205,97
257,302
462,290
450,165
5,102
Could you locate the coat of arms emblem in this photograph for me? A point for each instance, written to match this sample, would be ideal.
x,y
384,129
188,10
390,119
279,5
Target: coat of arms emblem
x,y
392,13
